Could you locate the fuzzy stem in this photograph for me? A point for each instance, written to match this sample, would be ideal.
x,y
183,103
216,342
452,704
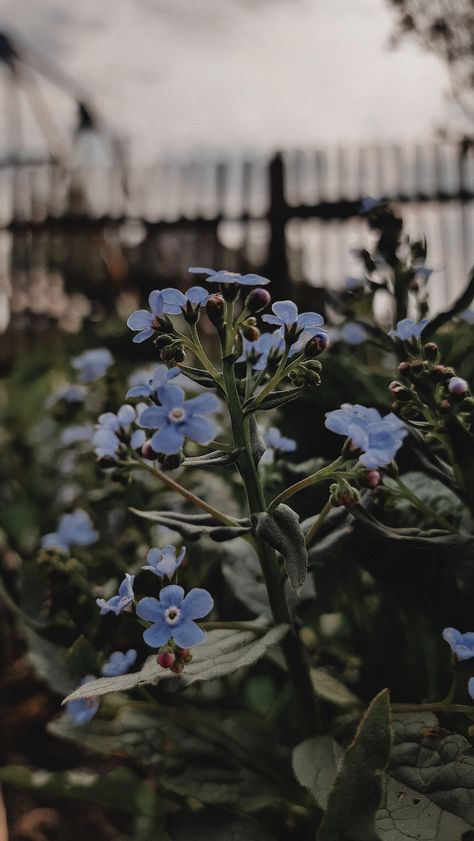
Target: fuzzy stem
x,y
319,476
312,532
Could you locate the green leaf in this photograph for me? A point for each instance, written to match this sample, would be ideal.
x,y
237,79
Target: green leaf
x,y
315,765
215,826
282,531
221,653
198,375
49,662
194,526
357,791
218,458
329,688
274,400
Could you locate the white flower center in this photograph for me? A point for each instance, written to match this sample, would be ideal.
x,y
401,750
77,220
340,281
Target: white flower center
x,y
172,615
177,415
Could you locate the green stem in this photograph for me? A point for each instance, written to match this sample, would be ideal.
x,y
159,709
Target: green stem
x,y
312,532
195,346
418,503
315,478
291,645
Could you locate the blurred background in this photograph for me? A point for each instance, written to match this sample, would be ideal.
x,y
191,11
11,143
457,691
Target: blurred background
x,y
138,138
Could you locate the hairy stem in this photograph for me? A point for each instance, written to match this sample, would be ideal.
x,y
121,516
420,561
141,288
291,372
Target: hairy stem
x,y
319,476
312,532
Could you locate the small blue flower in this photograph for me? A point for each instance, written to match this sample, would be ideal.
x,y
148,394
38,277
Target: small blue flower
x,y
176,302
74,529
352,333
112,428
173,614
150,385
76,434
119,663
230,277
83,709
70,394
123,600
462,645
286,316
177,418
164,562
379,438
259,351
146,322
276,441
92,364
408,329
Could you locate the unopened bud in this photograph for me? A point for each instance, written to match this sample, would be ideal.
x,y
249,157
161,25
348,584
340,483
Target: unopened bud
x,y
173,353
166,658
417,366
437,373
431,351
395,387
458,386
215,309
257,300
372,478
445,406
161,341
404,369
316,344
170,462
250,332
148,452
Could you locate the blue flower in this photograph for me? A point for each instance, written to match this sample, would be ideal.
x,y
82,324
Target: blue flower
x,y
352,333
408,329
259,351
70,394
150,385
120,602
286,316
147,322
276,441
92,364
112,428
230,277
379,438
74,529
119,663
176,302
172,616
462,645
164,562
177,418
83,709
76,434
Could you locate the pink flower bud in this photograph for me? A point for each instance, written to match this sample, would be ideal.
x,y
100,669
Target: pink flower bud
x,y
457,386
166,658
372,478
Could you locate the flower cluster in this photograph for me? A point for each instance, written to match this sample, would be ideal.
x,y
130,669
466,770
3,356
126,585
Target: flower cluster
x,y
112,429
462,646
74,529
92,364
408,329
378,437
164,562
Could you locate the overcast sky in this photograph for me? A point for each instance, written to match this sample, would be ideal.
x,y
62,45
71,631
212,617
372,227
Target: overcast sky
x,y
236,74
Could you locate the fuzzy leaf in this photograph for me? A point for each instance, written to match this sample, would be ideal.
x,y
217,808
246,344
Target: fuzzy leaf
x,y
194,526
354,799
329,688
221,653
274,400
412,536
199,376
315,765
218,458
282,531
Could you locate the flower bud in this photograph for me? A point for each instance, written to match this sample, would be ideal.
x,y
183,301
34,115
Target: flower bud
x,y
437,373
161,341
448,372
445,406
313,365
467,404
165,658
431,351
458,386
148,451
372,478
215,309
316,344
250,332
395,387
257,300
404,369
170,462
173,353
417,366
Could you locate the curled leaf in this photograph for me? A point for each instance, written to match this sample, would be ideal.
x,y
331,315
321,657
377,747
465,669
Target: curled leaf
x,y
282,531
194,526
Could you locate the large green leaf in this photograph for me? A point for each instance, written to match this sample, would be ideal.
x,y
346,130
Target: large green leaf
x,y
222,653
315,764
194,526
355,797
282,531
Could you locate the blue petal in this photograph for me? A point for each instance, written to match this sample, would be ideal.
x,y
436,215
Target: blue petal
x,y
157,635
172,595
153,417
286,310
187,633
198,603
202,403
138,391
197,296
155,300
140,320
202,430
272,319
143,336
310,319
197,270
137,439
150,609
174,301
168,440
171,397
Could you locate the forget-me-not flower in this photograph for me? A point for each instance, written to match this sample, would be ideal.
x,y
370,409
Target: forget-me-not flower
x,y
83,709
462,645
111,428
76,434
150,385
178,418
172,616
119,663
408,329
176,302
92,364
144,322
69,394
230,277
278,442
259,350
378,437
350,332
74,529
124,598
285,315
165,561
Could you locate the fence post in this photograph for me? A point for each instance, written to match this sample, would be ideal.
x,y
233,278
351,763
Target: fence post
x,y
276,267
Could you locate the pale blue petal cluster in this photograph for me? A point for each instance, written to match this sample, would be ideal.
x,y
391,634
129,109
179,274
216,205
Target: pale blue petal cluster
x,y
222,276
111,429
178,418
150,385
92,364
119,663
285,314
74,529
76,434
408,329
145,322
259,351
176,302
164,561
378,437
350,332
69,394
276,441
124,598
172,616
462,645
83,709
